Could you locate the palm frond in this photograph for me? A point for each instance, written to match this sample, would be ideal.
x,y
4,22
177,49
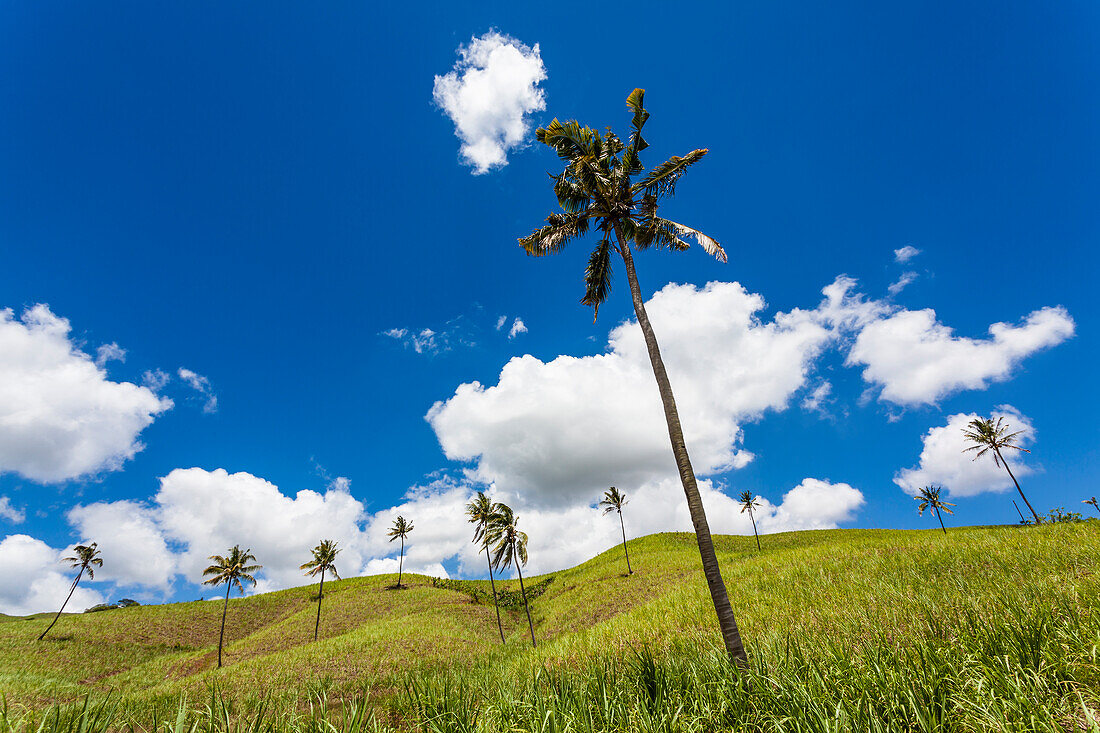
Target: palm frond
x,y
597,276
661,181
560,229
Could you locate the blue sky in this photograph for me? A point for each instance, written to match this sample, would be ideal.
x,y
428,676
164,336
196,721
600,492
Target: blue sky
x,y
259,197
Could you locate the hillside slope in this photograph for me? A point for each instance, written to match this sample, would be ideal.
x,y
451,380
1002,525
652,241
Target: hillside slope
x,y
853,585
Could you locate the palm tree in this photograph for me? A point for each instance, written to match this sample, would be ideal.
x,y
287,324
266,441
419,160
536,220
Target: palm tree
x,y
613,501
324,560
596,191
480,513
748,504
401,529
988,434
510,548
85,558
231,570
1092,501
929,498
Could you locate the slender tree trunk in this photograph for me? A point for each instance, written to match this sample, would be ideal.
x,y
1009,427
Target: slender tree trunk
x,y
1003,461
401,563
493,583
1097,508
940,517
320,595
1018,510
726,621
625,551
221,635
754,533
530,624
72,589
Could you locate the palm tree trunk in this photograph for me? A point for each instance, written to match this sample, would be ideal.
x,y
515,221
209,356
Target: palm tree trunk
x,y
626,551
1003,461
754,534
72,589
401,563
726,621
496,605
1018,510
940,517
221,635
320,595
526,607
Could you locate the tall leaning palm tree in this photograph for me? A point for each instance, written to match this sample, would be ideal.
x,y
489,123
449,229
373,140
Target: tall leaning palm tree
x,y
480,513
231,570
510,548
614,501
85,559
1092,502
750,504
988,434
400,529
324,560
605,189
929,498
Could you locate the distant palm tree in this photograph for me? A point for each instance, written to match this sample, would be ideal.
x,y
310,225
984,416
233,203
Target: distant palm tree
x,y
510,548
401,529
748,504
929,498
324,559
613,501
231,570
85,558
988,434
596,191
1092,501
480,513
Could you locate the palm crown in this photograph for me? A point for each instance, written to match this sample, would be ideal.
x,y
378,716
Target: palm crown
x,y
232,569
613,501
86,558
988,434
748,502
509,543
597,190
324,560
400,528
929,498
480,512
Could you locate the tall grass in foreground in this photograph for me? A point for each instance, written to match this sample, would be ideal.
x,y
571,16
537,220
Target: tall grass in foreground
x,y
1036,670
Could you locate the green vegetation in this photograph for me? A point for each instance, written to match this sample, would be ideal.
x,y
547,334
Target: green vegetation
x,y
987,629
929,498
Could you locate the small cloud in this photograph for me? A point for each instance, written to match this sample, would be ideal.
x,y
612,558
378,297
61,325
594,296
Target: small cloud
x,y
905,279
501,321
156,379
518,327
109,352
488,95
9,512
816,400
201,385
424,341
906,253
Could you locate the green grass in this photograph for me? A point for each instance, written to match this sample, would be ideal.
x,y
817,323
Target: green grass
x,y
988,628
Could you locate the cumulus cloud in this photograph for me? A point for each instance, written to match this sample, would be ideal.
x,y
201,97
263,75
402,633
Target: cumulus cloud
x,y
517,328
943,462
109,352
906,253
60,416
489,94
917,360
33,579
10,512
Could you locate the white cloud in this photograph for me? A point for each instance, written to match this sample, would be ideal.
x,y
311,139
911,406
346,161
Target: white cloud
x,y
493,87
501,321
425,341
517,328
818,398
201,385
156,379
906,253
943,462
917,360
109,352
896,287
60,416
9,512
32,579
133,548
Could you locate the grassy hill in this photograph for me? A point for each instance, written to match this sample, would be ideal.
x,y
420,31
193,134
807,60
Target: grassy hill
x,y
852,614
